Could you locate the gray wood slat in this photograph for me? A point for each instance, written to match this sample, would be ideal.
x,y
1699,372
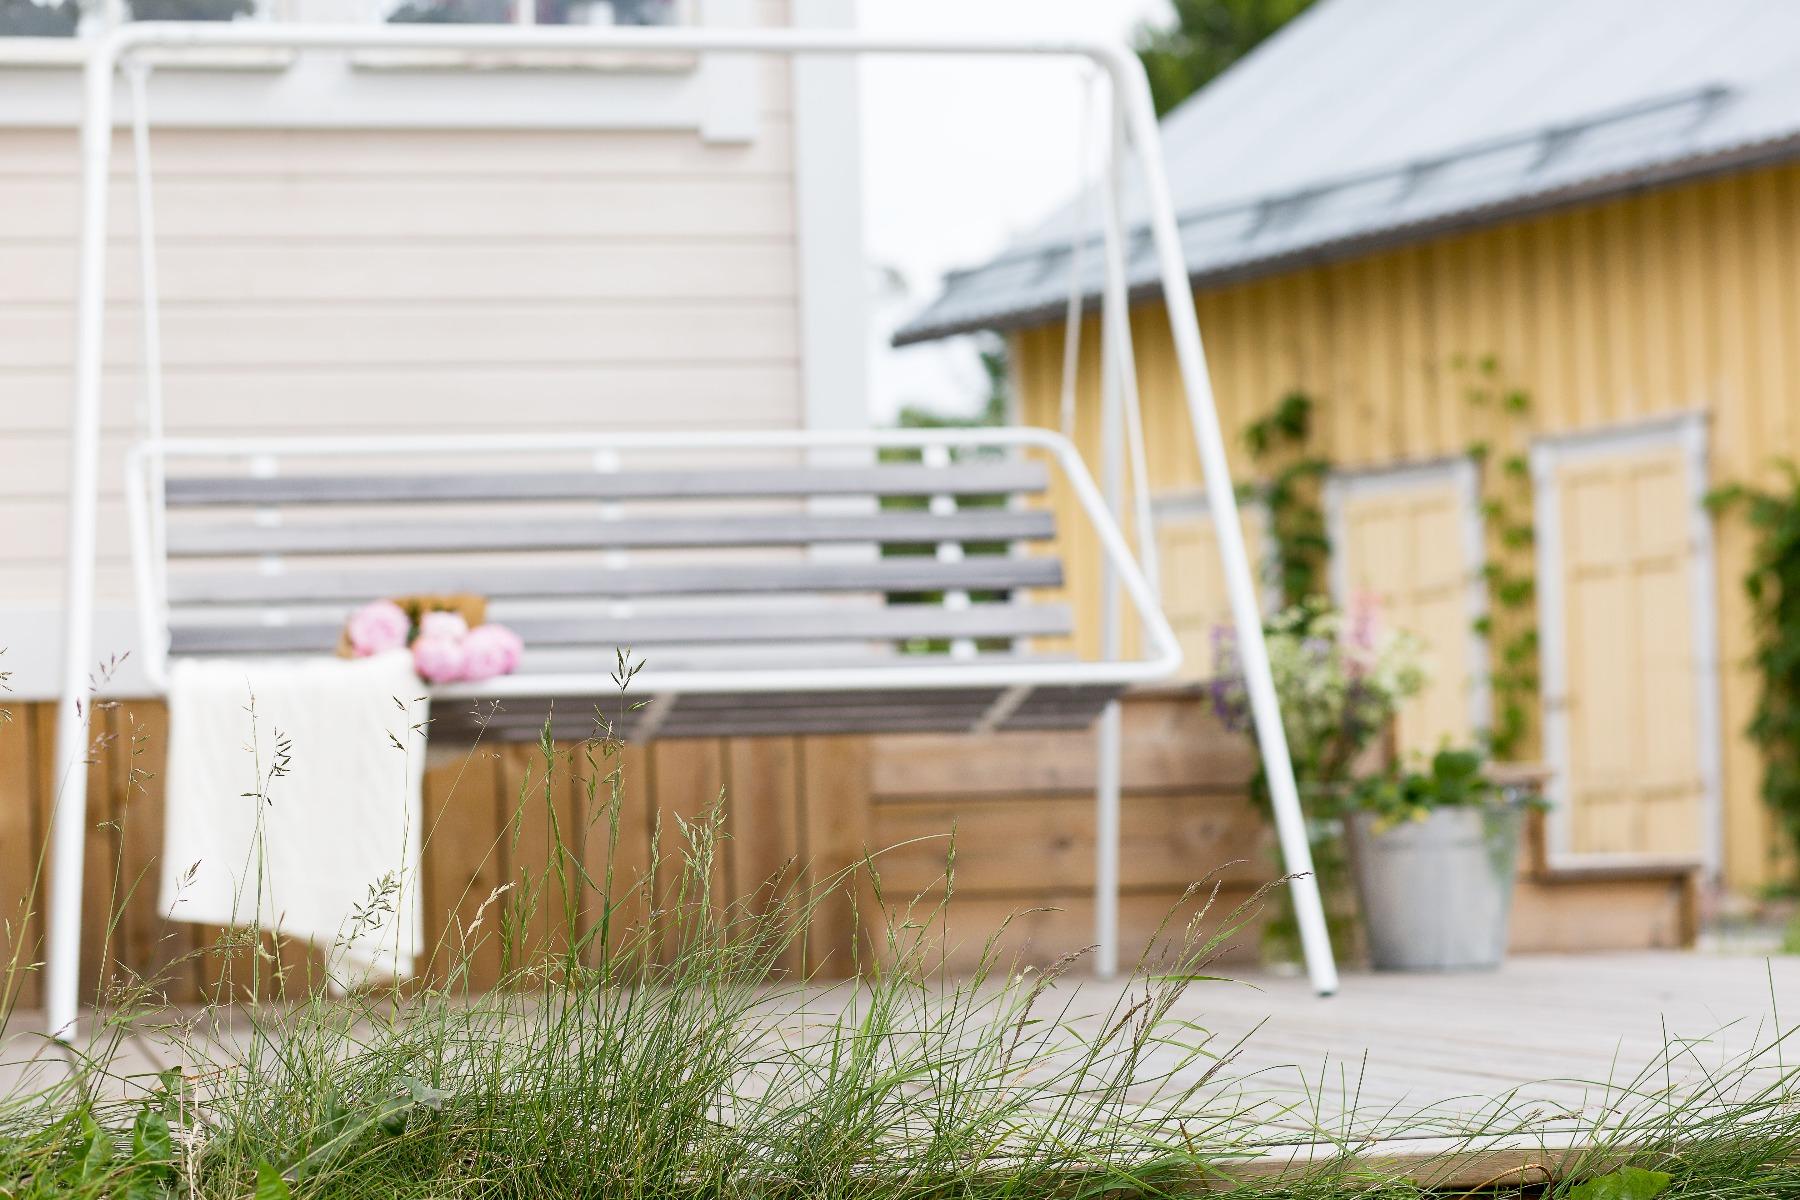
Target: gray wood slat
x,y
895,479
751,724
748,725
1072,720
402,537
1065,696
726,701
894,622
785,725
531,710
780,713
763,709
912,573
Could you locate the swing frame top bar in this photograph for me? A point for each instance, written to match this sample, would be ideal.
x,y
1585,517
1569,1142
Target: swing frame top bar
x,y
1134,125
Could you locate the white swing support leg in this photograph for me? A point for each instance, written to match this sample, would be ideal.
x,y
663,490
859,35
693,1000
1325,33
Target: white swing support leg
x,y
1133,112
68,828
1109,750
1133,91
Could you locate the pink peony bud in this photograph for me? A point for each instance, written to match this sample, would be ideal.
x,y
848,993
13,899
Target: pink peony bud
x,y
492,650
443,624
438,659
378,627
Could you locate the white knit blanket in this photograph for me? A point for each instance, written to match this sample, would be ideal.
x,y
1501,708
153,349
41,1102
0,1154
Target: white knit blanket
x,y
294,804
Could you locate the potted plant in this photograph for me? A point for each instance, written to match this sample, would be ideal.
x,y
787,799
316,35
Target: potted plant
x,y
1433,852
1340,678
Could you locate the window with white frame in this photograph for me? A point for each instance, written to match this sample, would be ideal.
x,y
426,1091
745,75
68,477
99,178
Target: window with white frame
x,y
539,12
39,18
65,18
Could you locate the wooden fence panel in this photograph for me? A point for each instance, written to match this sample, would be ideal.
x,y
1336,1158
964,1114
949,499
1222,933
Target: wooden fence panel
x,y
20,925
1019,811
798,812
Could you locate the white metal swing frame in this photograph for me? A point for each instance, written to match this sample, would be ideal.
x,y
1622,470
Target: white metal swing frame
x,y
1133,135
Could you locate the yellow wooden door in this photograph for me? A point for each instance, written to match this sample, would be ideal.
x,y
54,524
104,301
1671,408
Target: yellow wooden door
x,y
1633,778
1193,581
1407,543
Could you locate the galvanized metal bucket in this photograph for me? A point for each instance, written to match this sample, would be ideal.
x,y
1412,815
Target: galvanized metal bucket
x,y
1436,894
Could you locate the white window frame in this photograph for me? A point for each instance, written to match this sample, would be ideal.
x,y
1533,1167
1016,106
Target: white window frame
x,y
715,95
1461,473
1687,432
1253,509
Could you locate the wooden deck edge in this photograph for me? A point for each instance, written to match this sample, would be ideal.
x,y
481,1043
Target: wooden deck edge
x,y
1448,1164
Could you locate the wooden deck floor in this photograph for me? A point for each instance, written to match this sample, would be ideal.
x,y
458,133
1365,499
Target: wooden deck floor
x,y
1548,1045
1547,1034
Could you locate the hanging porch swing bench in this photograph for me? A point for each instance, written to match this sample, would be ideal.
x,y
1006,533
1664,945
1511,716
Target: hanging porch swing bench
x,y
760,599
770,615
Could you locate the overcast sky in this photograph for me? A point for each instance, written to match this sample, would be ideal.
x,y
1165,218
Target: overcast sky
x,y
959,155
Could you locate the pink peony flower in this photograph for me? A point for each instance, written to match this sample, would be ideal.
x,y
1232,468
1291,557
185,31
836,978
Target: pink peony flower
x,y
492,650
443,624
438,659
378,627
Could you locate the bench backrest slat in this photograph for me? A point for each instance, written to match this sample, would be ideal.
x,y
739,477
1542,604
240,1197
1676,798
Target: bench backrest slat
x,y
353,585
888,479
215,539
902,622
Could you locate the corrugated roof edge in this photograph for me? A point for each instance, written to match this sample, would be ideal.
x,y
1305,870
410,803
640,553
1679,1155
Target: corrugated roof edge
x,y
1685,169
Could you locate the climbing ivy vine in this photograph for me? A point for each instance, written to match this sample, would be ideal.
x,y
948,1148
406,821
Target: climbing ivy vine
x,y
1773,586
1500,412
1279,445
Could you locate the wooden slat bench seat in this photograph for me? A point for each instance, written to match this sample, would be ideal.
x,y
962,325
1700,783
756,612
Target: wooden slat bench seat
x,y
801,592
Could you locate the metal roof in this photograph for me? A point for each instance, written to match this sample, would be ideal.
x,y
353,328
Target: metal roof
x,y
1366,123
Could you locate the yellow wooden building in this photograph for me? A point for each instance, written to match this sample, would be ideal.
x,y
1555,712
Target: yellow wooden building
x,y
1565,235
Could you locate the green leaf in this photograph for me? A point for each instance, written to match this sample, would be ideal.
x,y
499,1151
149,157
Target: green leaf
x,y
269,1183
141,1186
97,1148
391,1119
424,1095
1626,1183
151,1145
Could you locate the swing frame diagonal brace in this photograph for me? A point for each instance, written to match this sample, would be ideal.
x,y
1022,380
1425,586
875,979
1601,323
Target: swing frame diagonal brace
x,y
107,52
